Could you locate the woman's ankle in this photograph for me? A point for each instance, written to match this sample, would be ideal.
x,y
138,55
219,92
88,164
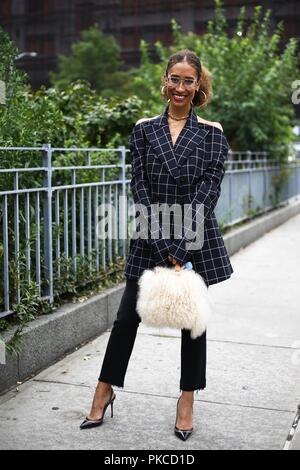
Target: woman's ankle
x,y
104,386
187,396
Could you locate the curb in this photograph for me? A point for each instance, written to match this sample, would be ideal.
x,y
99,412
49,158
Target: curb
x,y
295,442
243,236
51,337
293,439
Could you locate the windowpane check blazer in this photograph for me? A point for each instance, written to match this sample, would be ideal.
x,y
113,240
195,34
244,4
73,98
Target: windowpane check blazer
x,y
189,174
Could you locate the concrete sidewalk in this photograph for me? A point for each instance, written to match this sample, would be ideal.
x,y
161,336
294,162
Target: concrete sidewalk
x,y
253,380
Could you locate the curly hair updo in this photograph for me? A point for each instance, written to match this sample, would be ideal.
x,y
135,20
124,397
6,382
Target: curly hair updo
x,y
204,95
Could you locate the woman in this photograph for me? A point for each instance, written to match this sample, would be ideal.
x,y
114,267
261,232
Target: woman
x,y
177,158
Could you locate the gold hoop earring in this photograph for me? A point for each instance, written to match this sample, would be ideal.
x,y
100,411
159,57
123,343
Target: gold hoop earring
x,y
163,93
204,98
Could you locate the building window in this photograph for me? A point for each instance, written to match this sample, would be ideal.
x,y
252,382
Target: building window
x,y
85,15
35,6
42,44
39,6
5,10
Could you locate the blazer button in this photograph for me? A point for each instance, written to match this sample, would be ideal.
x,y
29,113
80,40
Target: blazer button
x,y
154,177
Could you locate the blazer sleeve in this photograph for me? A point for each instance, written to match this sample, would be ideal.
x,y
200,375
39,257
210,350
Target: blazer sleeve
x,y
208,191
142,196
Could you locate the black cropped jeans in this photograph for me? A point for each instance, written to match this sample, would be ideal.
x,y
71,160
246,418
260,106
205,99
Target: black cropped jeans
x,y
122,338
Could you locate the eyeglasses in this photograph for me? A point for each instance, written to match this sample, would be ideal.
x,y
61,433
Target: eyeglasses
x,y
188,83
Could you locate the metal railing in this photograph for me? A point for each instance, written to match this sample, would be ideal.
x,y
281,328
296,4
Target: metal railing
x,y
50,212
248,187
57,212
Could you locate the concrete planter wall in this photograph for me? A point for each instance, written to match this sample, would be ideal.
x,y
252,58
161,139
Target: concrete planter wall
x,y
52,336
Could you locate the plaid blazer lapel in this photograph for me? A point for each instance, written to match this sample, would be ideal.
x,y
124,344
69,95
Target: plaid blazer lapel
x,y
158,134
189,138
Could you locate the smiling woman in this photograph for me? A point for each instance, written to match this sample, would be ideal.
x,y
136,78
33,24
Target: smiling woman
x,y
185,82
182,82
186,78
177,159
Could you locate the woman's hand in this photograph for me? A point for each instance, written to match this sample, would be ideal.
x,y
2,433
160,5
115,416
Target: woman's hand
x,y
173,261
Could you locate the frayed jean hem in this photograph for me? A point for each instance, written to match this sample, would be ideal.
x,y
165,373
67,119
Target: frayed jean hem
x,y
111,382
196,388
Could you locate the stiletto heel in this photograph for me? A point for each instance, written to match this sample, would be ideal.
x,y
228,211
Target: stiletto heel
x,y
183,434
111,409
92,423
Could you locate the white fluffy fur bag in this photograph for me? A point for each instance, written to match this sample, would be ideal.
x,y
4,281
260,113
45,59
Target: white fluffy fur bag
x,y
175,299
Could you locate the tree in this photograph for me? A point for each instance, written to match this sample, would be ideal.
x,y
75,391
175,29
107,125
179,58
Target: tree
x,y
75,116
96,59
91,120
27,118
251,76
8,72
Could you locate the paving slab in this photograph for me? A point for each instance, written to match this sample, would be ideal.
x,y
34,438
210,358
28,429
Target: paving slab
x,y
141,421
241,374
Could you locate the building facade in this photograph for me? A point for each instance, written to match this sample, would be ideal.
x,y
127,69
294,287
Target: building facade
x,y
49,27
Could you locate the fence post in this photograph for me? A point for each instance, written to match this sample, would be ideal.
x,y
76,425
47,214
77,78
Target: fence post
x,y
47,203
230,168
249,158
123,201
5,255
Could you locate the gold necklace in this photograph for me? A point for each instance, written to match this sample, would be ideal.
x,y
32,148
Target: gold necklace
x,y
177,119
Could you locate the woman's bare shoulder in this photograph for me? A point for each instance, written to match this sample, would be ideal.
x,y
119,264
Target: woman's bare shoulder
x,y
146,119
210,123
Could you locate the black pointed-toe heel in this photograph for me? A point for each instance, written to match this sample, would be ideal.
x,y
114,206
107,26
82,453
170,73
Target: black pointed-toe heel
x,y
183,434
92,423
